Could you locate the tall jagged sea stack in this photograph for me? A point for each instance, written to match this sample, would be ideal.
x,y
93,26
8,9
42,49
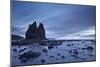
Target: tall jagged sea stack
x,y
36,33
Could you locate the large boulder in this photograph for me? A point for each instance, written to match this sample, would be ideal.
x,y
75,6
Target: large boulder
x,y
36,33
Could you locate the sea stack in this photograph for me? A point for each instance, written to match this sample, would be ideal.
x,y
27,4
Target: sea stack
x,y
36,33
41,32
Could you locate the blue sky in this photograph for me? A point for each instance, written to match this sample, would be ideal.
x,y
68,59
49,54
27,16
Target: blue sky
x,y
61,21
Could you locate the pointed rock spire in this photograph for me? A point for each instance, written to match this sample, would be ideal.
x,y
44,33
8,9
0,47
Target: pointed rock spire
x,y
34,32
30,33
41,32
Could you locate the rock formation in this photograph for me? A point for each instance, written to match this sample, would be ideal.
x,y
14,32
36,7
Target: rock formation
x,y
36,33
16,37
41,32
31,32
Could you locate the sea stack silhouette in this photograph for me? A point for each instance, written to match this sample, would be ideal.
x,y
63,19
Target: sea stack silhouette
x,y
36,33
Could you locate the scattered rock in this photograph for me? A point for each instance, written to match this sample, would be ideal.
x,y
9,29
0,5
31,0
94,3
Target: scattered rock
x,y
58,54
23,60
75,52
92,40
28,55
52,56
15,50
56,58
83,48
43,61
90,55
63,57
90,48
45,50
72,44
68,44
22,50
50,46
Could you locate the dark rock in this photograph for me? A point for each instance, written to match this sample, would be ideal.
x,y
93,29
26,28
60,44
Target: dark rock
x,y
31,32
53,44
90,48
15,50
75,52
90,55
36,33
92,40
83,48
50,46
68,44
52,56
72,44
24,60
43,61
56,58
29,55
41,32
63,57
45,50
58,54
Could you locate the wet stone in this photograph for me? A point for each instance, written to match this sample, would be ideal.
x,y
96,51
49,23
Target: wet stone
x,y
51,56
15,50
75,52
63,57
58,54
50,46
45,50
90,48
28,55
43,61
83,48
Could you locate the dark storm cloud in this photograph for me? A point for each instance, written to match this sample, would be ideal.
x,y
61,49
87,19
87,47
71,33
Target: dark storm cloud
x,y
58,19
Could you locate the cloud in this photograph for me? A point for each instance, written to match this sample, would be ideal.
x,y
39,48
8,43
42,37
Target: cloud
x,y
85,34
59,20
